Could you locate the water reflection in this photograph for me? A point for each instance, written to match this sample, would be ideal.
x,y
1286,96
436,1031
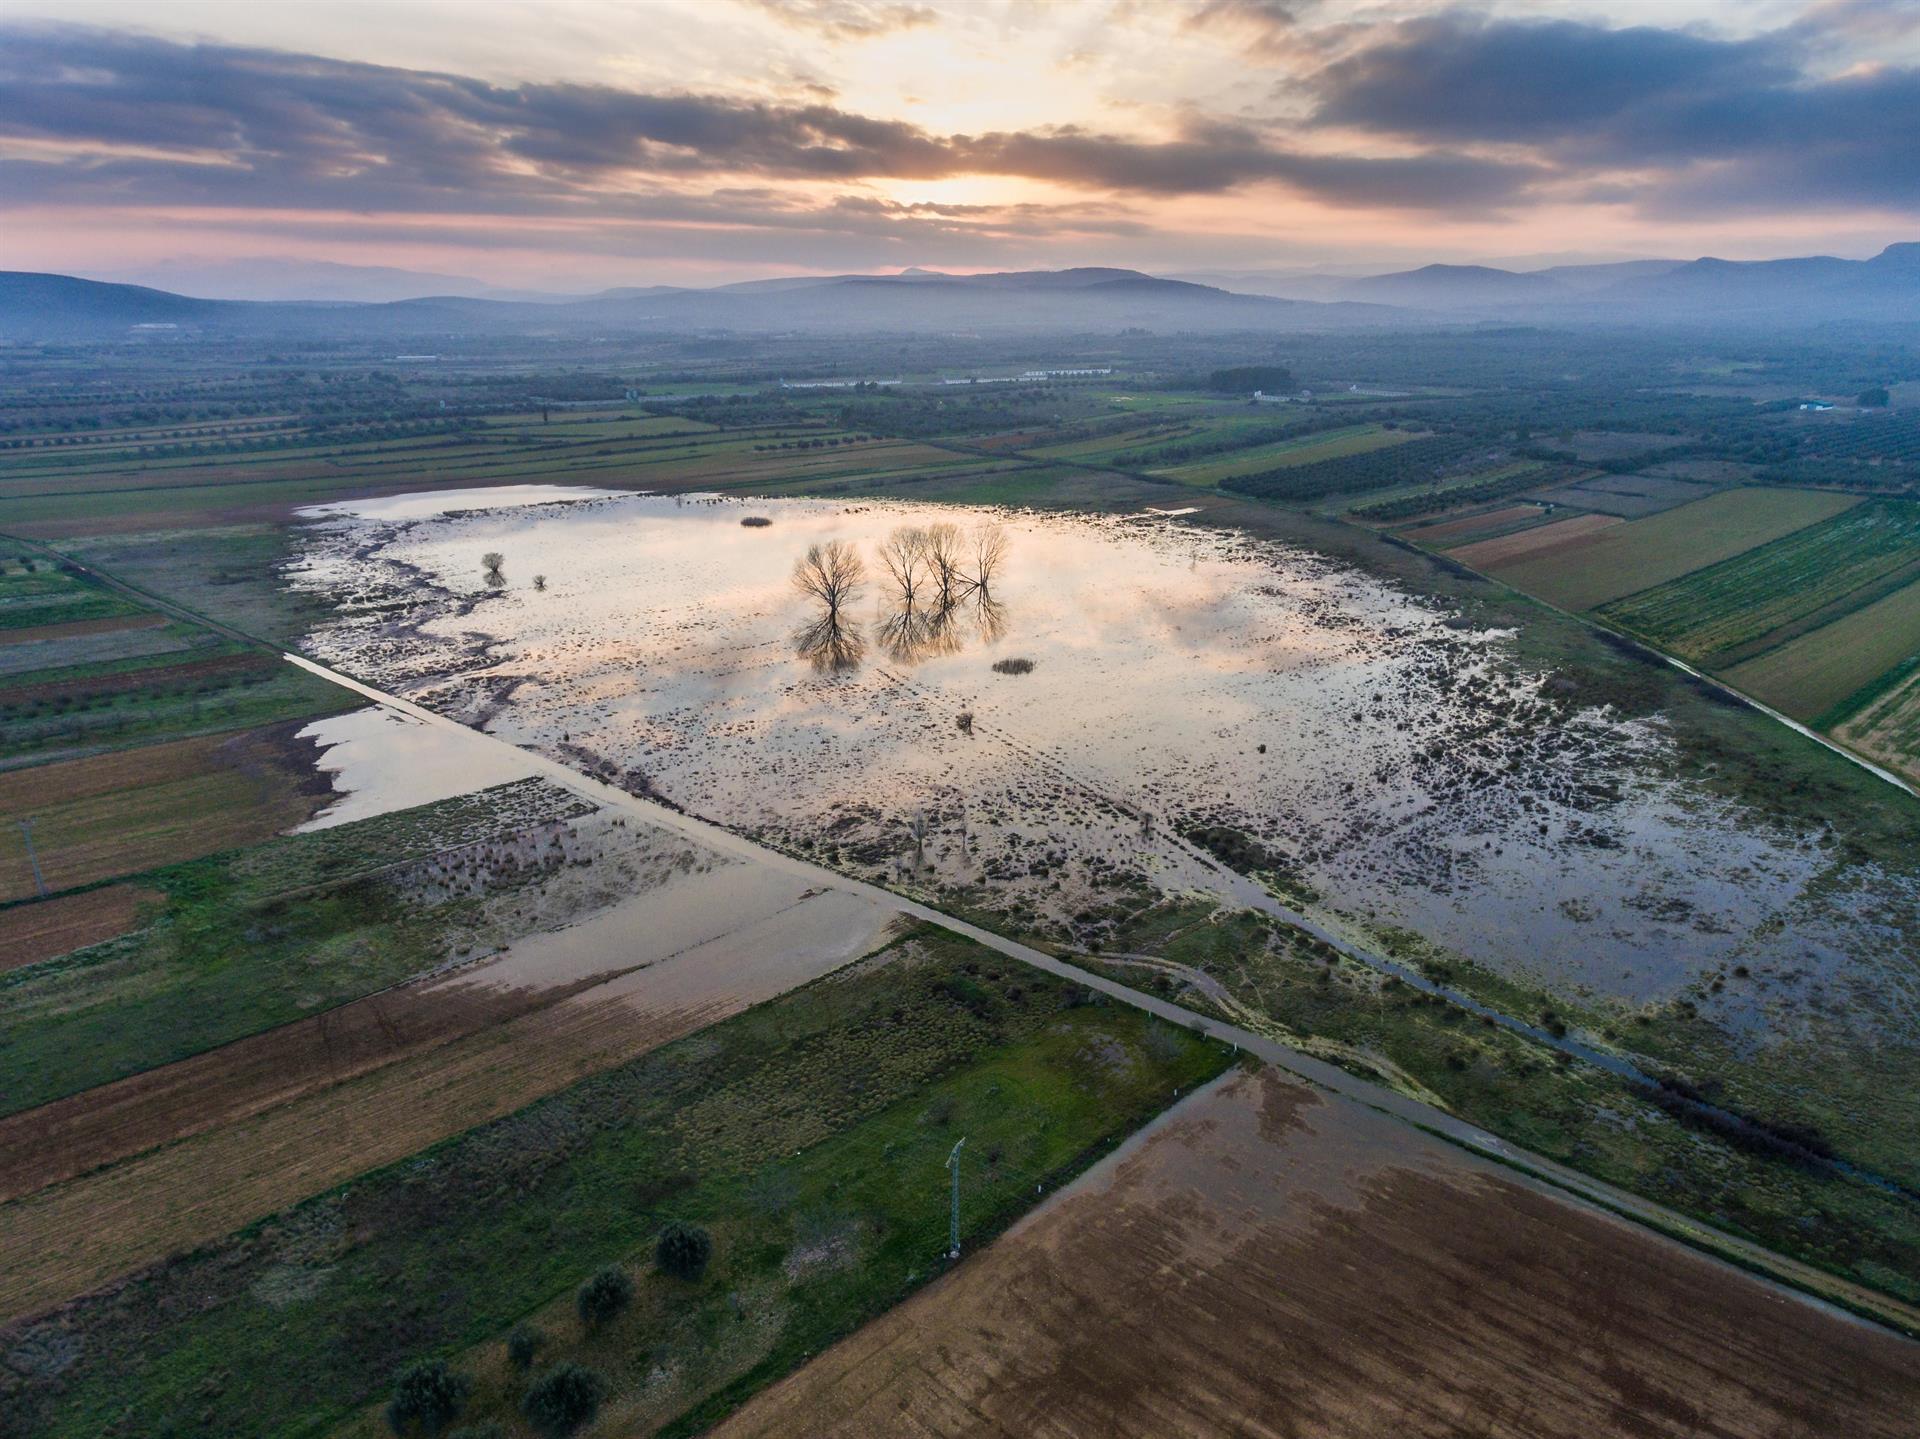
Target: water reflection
x,y
937,586
831,576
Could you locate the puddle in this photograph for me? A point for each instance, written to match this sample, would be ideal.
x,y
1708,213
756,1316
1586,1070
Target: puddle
x,y
382,760
1180,677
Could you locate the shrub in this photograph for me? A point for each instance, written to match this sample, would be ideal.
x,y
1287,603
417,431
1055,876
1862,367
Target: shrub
x,y
604,1295
522,1345
683,1250
756,522
489,1430
1013,667
427,1396
564,1399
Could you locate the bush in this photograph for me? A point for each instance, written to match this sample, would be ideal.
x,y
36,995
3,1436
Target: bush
x,y
522,1345
427,1397
604,1295
683,1250
1013,667
756,522
1874,399
489,1430
564,1399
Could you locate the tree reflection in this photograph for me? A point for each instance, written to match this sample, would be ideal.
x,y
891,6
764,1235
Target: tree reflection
x,y
936,588
832,575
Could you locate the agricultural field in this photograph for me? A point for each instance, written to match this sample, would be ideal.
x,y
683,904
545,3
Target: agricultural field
x,y
1643,553
1827,674
89,670
1334,1279
116,814
1724,613
1484,525
1282,454
859,1084
1628,496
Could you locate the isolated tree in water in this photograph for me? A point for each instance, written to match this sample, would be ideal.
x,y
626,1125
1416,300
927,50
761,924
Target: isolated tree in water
x,y
831,573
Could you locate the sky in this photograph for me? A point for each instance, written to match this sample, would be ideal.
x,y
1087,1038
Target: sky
x,y
573,144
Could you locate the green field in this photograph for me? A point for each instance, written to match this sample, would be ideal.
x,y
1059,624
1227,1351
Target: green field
x,y
1824,669
1720,614
1643,553
808,1136
1306,450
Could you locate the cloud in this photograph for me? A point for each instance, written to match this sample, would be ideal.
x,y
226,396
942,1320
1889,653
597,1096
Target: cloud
x,y
847,19
298,130
1705,124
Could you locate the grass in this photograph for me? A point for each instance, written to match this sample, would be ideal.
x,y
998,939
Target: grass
x,y
1643,553
1720,613
248,939
228,573
808,1135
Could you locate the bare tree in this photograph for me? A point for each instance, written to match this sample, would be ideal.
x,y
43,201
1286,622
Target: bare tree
x,y
944,564
831,573
989,549
903,554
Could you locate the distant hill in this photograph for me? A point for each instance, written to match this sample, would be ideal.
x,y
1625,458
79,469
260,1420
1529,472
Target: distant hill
x,y
61,307
1454,286
1805,290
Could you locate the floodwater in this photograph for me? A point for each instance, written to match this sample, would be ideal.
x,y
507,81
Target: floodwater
x,y
1396,764
382,760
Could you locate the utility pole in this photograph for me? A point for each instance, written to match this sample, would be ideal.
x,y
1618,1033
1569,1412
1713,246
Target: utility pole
x,y
26,833
953,1163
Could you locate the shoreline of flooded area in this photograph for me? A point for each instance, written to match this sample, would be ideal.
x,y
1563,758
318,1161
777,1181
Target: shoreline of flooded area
x,y
1128,709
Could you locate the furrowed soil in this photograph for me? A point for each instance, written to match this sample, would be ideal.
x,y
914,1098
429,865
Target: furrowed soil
x,y
1269,1261
120,813
1534,544
30,933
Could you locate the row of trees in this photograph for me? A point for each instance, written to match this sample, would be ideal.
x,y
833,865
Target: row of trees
x,y
430,1395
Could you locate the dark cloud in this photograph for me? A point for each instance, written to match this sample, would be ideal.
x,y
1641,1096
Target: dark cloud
x,y
263,127
1707,124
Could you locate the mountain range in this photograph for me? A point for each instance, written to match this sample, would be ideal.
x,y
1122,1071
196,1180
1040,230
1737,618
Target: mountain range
x,y
1811,289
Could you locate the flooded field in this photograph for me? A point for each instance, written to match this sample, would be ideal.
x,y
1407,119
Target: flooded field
x,y
1103,711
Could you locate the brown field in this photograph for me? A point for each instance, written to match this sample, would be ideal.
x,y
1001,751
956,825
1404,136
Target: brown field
x,y
112,624
1536,543
134,810
1471,524
1267,1261
392,1096
82,1132
30,933
132,681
